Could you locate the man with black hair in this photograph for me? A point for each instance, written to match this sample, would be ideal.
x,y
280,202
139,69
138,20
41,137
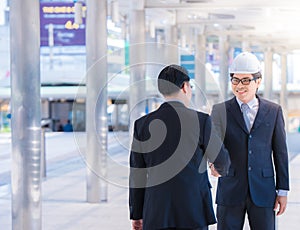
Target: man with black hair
x,y
169,186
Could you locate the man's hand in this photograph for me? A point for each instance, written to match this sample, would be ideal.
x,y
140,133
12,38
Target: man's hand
x,y
137,224
280,201
213,171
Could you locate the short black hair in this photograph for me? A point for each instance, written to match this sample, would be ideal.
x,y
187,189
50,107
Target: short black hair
x,y
255,75
171,79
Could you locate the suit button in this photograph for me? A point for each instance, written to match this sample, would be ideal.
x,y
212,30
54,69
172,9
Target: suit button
x,y
250,152
249,168
250,136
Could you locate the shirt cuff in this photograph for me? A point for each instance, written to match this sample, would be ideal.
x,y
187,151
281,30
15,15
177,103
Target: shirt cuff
x,y
281,192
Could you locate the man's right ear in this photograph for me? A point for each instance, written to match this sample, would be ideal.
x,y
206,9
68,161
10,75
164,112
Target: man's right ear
x,y
185,87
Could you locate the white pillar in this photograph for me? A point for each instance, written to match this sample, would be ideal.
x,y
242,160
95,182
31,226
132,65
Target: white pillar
x,y
137,60
200,70
26,114
224,73
96,100
171,41
187,38
245,46
268,59
283,91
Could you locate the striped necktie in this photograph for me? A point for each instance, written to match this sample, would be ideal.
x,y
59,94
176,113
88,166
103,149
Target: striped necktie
x,y
245,109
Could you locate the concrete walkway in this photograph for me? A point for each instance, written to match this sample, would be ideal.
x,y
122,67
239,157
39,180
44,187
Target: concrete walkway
x,y
64,205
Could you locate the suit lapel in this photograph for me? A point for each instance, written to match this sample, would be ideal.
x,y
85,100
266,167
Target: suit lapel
x,y
236,113
262,112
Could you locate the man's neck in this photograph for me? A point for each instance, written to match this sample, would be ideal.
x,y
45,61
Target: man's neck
x,y
175,98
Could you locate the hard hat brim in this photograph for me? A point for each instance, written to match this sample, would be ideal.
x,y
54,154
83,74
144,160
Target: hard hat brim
x,y
244,72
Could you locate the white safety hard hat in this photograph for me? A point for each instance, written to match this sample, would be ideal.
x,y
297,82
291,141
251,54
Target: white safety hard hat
x,y
245,63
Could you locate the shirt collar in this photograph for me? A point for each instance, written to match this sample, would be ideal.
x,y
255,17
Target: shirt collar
x,y
251,104
173,100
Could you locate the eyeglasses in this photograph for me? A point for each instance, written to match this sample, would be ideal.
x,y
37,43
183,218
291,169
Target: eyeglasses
x,y
245,81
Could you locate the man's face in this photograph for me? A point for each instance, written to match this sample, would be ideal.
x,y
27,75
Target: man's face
x,y
244,92
187,92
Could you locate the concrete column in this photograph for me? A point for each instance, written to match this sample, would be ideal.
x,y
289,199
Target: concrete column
x,y
137,60
26,114
96,100
200,70
245,46
268,82
224,73
187,38
171,41
283,91
160,51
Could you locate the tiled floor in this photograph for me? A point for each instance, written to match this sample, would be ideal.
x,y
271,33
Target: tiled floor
x,y
64,205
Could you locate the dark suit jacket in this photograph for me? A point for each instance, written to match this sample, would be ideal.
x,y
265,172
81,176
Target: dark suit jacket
x,y
168,188
251,154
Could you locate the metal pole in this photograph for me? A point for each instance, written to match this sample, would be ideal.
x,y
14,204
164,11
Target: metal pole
x,y
283,91
96,100
26,114
43,154
171,45
51,43
224,74
1,117
268,59
200,77
137,59
159,53
117,120
245,46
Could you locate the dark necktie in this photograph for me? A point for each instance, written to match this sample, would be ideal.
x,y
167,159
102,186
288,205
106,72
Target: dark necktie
x,y
245,108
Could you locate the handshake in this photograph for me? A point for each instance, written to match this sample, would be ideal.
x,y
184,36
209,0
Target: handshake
x,y
213,171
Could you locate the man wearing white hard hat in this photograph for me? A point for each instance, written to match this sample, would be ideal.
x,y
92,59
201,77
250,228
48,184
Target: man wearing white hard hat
x,y
252,129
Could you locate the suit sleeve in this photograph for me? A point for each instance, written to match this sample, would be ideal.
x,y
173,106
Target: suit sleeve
x,y
214,149
280,153
137,179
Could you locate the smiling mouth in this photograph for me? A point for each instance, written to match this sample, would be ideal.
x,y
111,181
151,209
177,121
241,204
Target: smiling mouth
x,y
240,91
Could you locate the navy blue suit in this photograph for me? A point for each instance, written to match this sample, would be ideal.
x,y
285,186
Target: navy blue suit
x,y
259,158
173,190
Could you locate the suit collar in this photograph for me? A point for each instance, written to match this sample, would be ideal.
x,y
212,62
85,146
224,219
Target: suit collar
x,y
236,113
263,110
173,103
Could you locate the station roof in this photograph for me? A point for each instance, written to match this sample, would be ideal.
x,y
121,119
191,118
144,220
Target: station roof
x,y
267,23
